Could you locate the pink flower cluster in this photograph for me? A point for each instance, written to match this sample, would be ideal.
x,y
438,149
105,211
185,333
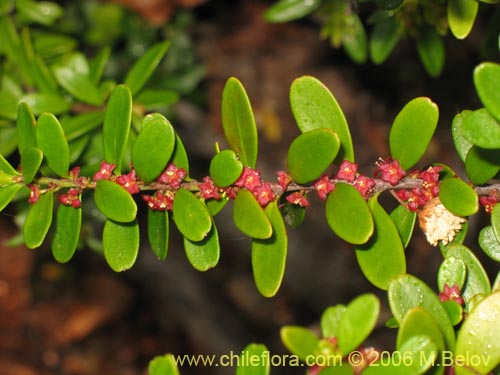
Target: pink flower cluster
x,y
390,170
250,179
163,199
489,201
416,198
348,172
451,294
71,198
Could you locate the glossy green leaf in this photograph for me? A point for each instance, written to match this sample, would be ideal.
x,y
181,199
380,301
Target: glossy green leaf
x,y
412,131
289,10
82,124
477,281
489,243
152,149
52,142
7,193
487,81
455,311
452,271
114,201
31,159
38,220
179,156
330,320
158,232
357,322
66,232
461,16
254,360
406,292
458,197
120,242
314,107
225,168
269,255
348,214
163,365
482,165
385,36
482,129
142,70
462,145
152,99
238,122
355,42
78,85
417,355
45,102
311,153
6,167
382,257
117,125
204,255
98,64
191,216
249,217
26,131
404,219
299,341
477,343
430,48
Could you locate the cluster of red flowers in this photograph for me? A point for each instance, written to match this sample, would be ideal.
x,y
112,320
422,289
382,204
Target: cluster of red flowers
x,y
163,199
417,197
451,293
489,201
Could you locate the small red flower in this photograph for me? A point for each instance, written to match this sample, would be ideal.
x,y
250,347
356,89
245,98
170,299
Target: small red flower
x,y
173,176
451,294
324,186
34,193
391,171
250,179
364,185
129,182
208,189
298,199
105,171
284,179
161,200
264,194
489,201
71,198
347,171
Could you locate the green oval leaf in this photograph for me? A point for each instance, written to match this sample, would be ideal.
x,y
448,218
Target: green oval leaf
x,y
51,140
82,124
26,131
114,201
461,16
191,216
330,320
419,353
158,232
31,159
489,243
238,122
289,10
152,149
120,242
225,168
357,322
487,81
269,255
204,254
163,365
145,67
452,271
46,102
299,341
116,125
355,42
430,48
385,36
66,232
458,197
404,219
38,220
311,153
406,292
259,362
156,99
249,217
477,342
482,165
78,85
348,214
314,107
482,129
179,156
477,281
462,145
412,131
382,257
7,193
